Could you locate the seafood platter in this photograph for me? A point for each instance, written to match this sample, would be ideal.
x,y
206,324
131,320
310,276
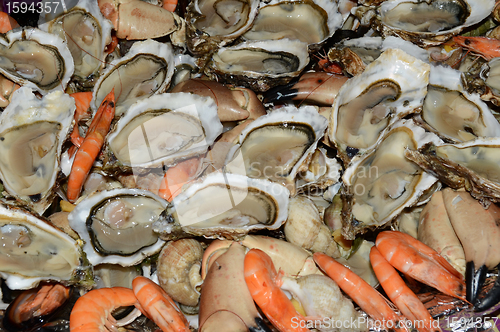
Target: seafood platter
x,y
249,165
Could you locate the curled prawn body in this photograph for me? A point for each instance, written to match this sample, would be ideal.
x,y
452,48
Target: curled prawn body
x,y
420,262
400,294
91,311
263,283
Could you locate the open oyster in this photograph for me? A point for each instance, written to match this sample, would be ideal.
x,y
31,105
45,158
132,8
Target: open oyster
x,y
87,33
310,21
32,132
430,22
473,165
390,88
32,250
454,114
163,129
274,146
35,58
260,65
381,183
145,70
116,225
215,23
224,205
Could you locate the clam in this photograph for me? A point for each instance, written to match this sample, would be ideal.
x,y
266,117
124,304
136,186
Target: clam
x,y
116,225
35,58
224,205
145,70
382,182
32,132
31,250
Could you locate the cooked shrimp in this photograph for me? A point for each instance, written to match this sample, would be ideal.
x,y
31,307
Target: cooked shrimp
x,y
7,23
400,294
175,177
92,311
420,262
94,140
359,290
82,102
487,48
263,283
170,5
158,306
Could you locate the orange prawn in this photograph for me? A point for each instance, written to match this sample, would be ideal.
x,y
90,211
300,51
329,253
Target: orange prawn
x,y
158,306
7,23
360,291
82,102
400,294
263,283
92,311
170,5
91,146
175,177
488,48
420,262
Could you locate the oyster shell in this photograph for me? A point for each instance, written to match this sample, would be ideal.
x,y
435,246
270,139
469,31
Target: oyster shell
x,y
381,183
310,21
163,129
35,58
390,88
32,132
86,33
454,114
259,65
116,225
355,54
275,146
145,70
473,165
215,23
31,250
224,205
430,22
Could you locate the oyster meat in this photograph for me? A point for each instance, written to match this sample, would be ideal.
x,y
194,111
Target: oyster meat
x,y
275,146
145,70
260,65
224,205
31,250
391,87
454,114
32,132
35,58
382,182
87,33
116,225
163,129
